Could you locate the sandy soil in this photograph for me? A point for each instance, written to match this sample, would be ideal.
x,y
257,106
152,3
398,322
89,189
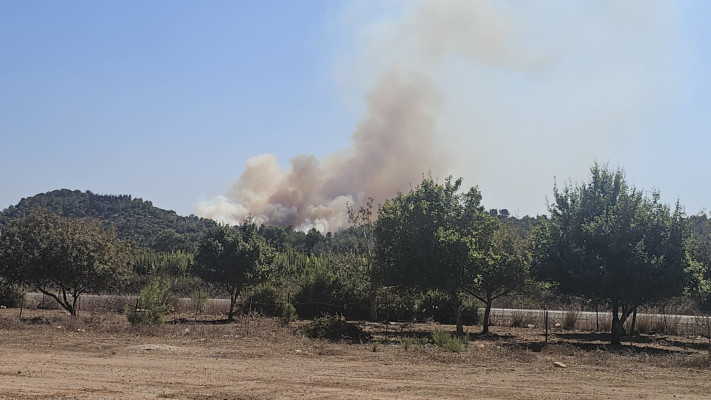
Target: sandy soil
x,y
104,358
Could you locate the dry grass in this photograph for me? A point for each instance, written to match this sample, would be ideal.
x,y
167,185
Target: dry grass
x,y
263,353
570,320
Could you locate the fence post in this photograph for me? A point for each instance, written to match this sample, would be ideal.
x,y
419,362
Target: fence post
x,y
22,305
545,321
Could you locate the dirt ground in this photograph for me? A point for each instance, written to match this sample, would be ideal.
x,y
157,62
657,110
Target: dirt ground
x,y
50,356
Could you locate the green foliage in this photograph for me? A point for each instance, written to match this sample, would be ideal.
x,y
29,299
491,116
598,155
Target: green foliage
x,y
408,343
698,285
199,298
432,237
501,270
135,220
154,303
335,329
449,342
11,294
606,240
374,346
288,314
264,299
437,306
151,262
233,257
322,290
71,256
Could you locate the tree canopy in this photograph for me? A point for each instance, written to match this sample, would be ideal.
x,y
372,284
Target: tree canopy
x,y
69,255
426,237
608,241
232,257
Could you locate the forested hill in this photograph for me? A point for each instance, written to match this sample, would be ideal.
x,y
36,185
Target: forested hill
x,y
135,219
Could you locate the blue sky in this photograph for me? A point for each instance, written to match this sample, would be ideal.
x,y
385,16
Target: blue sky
x,y
167,100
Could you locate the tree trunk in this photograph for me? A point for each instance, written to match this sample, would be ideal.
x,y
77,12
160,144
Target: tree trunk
x,y
74,305
458,313
487,315
618,321
634,322
373,299
233,300
616,326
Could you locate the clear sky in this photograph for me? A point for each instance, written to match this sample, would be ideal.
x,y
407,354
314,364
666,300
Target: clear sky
x,y
167,100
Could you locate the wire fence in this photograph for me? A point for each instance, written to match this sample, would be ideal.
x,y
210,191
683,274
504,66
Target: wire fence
x,y
668,323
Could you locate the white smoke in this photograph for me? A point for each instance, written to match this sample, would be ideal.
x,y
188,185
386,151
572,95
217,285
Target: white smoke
x,y
481,78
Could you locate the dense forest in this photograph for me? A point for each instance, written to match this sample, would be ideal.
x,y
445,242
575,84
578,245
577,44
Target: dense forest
x,y
134,219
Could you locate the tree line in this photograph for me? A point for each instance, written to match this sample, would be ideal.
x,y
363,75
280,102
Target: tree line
x,y
433,252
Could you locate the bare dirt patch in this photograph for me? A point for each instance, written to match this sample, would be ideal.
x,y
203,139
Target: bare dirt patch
x,y
256,358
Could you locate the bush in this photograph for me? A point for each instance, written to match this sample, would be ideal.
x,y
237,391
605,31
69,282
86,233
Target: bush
x,y
334,328
154,302
264,299
448,342
199,298
288,314
439,307
570,320
410,342
11,295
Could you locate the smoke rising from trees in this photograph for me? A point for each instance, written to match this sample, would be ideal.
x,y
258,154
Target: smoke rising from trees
x,y
418,120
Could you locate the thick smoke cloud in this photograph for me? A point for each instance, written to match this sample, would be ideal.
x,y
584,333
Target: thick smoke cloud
x,y
390,146
473,88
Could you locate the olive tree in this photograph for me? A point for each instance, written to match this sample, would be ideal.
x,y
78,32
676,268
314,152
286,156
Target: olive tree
x,y
232,257
354,253
63,257
429,237
499,270
607,240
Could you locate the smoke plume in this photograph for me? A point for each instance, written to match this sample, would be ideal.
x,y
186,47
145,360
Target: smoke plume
x,y
528,80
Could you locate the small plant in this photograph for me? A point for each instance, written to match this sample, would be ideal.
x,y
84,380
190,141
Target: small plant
x,y
154,302
334,328
410,342
11,295
199,298
518,319
447,341
440,337
454,346
570,320
374,345
288,314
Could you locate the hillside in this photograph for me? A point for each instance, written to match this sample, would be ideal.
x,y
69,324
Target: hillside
x,y
135,219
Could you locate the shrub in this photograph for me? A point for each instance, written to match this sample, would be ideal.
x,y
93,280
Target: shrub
x,y
264,299
154,302
518,319
374,346
334,328
448,342
288,314
439,307
570,320
11,295
410,342
199,298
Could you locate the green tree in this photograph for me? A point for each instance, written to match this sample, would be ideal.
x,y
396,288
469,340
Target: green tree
x,y
66,255
232,257
501,270
355,253
606,240
426,238
698,247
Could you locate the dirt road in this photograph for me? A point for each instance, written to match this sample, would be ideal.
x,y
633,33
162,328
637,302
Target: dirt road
x,y
219,362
